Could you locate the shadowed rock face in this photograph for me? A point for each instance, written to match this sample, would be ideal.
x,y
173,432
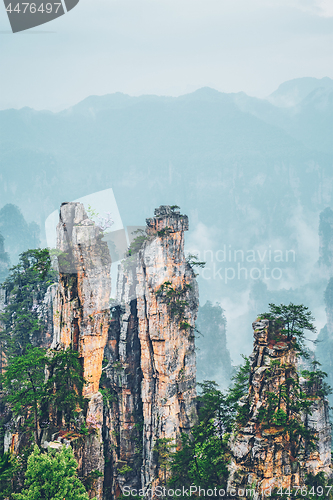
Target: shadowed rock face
x,y
81,307
151,348
264,455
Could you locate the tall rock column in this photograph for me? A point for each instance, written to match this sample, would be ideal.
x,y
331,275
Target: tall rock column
x,y
81,309
267,451
81,315
157,297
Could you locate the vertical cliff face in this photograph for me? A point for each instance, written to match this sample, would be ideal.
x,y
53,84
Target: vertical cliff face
x,y
266,447
81,306
148,383
151,349
81,317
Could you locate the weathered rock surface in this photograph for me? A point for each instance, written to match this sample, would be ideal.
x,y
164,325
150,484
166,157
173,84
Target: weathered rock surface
x,y
263,454
151,350
81,306
81,315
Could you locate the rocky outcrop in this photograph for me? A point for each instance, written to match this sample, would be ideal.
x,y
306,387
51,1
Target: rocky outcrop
x,y
81,319
147,395
267,450
150,349
81,307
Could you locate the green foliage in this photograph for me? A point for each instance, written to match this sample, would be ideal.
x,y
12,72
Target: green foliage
x,y
124,470
8,469
290,400
90,479
108,396
64,385
202,459
24,383
52,476
294,321
193,261
238,390
25,288
280,417
163,451
317,488
92,213
185,325
175,299
314,381
28,391
165,231
31,395
138,242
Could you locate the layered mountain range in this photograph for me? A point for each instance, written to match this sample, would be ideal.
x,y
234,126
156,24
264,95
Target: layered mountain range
x,y
253,175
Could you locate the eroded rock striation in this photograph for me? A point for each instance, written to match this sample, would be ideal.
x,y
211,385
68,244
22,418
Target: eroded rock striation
x,y
81,315
267,449
151,352
81,306
147,396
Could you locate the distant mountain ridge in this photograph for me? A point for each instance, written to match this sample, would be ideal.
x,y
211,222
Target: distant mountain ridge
x,y
246,171
292,92
111,140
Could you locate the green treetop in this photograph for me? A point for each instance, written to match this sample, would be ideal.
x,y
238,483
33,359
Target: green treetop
x,y
294,321
25,288
52,476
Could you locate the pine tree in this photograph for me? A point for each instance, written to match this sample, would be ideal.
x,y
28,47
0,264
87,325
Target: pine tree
x,y
52,476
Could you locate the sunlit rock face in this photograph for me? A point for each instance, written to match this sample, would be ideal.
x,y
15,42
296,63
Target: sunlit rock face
x,y
81,317
263,456
151,349
81,307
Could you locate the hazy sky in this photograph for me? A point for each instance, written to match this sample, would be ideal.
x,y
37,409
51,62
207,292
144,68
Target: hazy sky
x,y
168,47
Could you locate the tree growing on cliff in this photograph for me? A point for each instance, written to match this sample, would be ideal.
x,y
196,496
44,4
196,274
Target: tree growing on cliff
x,y
64,385
52,476
24,384
294,321
25,288
36,397
203,459
8,469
